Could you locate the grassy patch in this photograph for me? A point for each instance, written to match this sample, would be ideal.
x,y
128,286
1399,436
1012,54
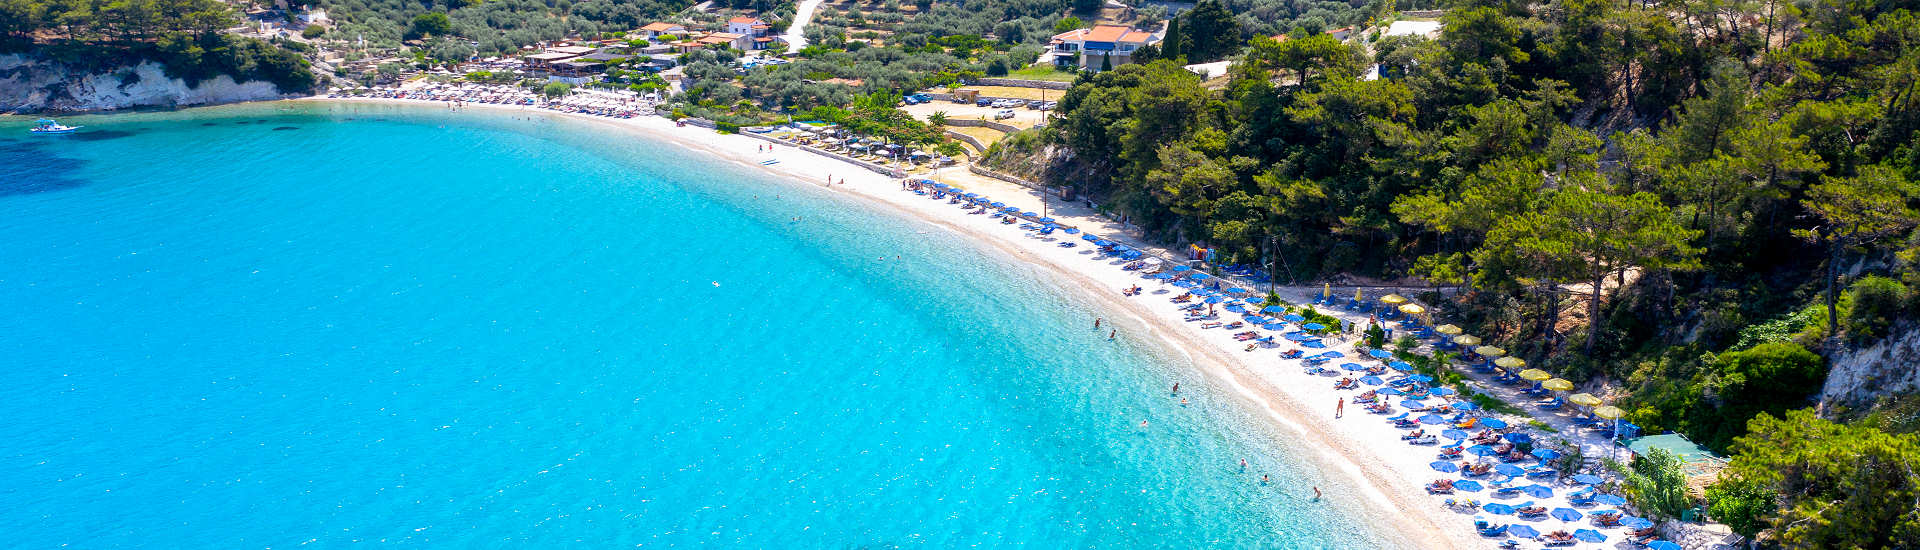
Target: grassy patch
x,y
1043,72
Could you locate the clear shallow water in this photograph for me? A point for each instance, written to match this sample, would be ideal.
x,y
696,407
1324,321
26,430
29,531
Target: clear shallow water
x,y
272,325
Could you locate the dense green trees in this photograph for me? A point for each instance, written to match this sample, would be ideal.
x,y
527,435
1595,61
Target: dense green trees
x,y
1838,486
183,35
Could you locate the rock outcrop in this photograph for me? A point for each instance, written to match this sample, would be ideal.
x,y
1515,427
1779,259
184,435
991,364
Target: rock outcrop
x,y
33,85
1860,376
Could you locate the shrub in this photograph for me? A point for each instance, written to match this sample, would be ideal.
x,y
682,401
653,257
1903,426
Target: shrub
x,y
313,31
1873,304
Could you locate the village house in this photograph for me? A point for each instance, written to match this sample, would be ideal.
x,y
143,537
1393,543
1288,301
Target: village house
x,y
1088,48
758,34
655,29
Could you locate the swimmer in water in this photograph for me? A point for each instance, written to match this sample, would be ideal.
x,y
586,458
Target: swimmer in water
x,y
1143,423
1176,388
1263,479
1183,401
1316,494
1243,464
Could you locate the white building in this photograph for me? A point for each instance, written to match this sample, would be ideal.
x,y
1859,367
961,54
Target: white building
x,y
1087,48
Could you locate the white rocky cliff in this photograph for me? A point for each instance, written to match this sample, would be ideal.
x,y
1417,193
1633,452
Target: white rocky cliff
x,y
28,85
1861,376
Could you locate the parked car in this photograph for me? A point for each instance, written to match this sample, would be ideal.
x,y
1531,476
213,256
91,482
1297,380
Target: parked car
x,y
1003,114
982,102
923,98
910,100
1035,104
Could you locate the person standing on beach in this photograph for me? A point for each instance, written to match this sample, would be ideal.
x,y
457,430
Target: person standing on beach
x,y
1340,409
1096,323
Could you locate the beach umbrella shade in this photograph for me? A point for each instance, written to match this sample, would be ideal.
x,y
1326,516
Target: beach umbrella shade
x,y
1588,535
1455,434
1588,479
1535,375
1522,531
1046,220
1428,419
1448,330
1371,380
1393,299
1400,366
1609,412
1461,405
1583,399
1215,299
1510,362
1291,317
1468,485
1444,467
1352,366
1161,276
1519,438
1412,309
1494,423
1656,545
1557,384
1379,353
1236,291
1538,491
1199,276
1636,523
1182,268
1467,340
1314,326
1356,295
1445,392
1502,509
1546,454
1274,309
1333,354
1490,351
1509,470
1421,378
1610,500
1236,308
1274,326
1387,391
1482,450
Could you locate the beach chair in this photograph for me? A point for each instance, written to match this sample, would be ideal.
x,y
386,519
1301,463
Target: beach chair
x,y
1552,404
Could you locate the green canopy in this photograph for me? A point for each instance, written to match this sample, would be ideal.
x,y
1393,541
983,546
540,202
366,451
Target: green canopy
x,y
1693,454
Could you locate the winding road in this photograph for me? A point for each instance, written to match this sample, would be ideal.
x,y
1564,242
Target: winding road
x,y
796,35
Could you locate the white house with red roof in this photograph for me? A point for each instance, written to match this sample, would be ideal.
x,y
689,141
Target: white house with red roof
x,y
1086,48
758,34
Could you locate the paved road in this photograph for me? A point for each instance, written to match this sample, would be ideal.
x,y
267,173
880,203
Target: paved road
x,y
796,35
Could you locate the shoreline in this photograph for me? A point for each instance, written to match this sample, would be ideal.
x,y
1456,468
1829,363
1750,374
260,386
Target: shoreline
x,y
1358,452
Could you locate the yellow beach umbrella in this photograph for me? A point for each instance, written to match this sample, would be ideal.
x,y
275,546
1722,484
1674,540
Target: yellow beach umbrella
x,y
1557,384
1467,340
1326,290
1583,399
1490,351
1448,329
1510,362
1356,295
1609,412
1393,299
1412,309
1535,375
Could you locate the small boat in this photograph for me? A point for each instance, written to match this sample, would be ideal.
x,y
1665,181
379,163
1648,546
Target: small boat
x,y
48,126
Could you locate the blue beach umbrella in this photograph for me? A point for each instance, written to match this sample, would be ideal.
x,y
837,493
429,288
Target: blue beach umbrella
x,y
1589,535
1385,391
1294,317
1444,467
1314,326
1276,309
1012,210
1401,366
1467,485
1274,326
1588,479
1610,500
1519,438
1444,392
1421,378
1483,450
1352,366
1072,230
1546,454
1412,404
998,204
1455,434
1182,268
1565,514
1433,419
1333,354
1215,299
1636,523
1494,423
1522,531
1046,220
1538,491
1461,405
1663,545
1509,470
1199,276
1371,380
1236,291
1161,276
1498,508
1379,353
1236,308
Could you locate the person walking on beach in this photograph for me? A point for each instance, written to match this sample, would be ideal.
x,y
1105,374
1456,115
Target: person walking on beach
x,y
1340,409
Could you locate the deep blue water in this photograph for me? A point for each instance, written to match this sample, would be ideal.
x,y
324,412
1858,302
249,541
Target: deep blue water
x,y
274,326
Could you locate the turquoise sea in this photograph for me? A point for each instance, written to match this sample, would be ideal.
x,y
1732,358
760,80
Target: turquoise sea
x,y
285,325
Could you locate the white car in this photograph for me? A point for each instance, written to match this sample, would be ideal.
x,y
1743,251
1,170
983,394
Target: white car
x,y
1003,114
